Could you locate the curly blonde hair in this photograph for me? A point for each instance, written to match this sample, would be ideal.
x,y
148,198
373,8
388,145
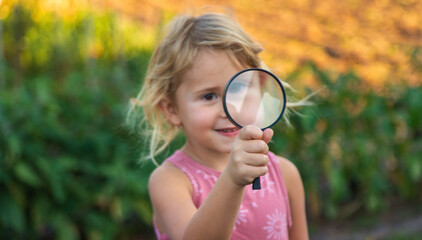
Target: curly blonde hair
x,y
175,54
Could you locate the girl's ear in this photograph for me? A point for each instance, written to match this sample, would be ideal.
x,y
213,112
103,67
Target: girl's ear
x,y
170,112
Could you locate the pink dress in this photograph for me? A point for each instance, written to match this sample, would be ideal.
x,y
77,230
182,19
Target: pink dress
x,y
264,214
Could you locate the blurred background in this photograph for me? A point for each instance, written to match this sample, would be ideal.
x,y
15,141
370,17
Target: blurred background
x,y
69,166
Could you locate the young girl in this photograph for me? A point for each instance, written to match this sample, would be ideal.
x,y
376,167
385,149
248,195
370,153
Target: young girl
x,y
203,190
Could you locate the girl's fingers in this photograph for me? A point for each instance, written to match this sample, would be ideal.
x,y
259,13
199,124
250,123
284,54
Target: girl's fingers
x,y
255,172
249,153
267,135
250,132
254,140
257,160
255,146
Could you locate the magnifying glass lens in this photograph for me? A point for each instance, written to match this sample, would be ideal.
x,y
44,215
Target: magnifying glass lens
x,y
254,97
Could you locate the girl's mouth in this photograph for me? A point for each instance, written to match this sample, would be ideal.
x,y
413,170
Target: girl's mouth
x,y
229,132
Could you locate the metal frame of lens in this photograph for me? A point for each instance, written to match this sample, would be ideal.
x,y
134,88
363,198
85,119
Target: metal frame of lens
x,y
253,69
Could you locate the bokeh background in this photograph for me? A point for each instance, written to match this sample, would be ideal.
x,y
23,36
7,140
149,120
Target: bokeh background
x,y
69,166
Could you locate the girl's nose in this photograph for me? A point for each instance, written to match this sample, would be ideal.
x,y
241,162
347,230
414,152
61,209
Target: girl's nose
x,y
221,112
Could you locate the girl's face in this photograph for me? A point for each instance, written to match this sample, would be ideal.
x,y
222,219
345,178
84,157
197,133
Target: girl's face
x,y
198,104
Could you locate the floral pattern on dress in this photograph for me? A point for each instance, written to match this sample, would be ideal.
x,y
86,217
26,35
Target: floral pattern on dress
x,y
206,175
276,225
267,187
195,186
241,217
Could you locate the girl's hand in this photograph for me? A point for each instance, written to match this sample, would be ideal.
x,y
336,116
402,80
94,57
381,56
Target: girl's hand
x,y
248,158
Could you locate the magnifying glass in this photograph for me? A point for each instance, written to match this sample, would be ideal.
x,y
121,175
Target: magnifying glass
x,y
254,97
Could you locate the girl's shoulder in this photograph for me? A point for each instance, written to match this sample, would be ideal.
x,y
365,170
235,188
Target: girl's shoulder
x,y
295,191
170,192
290,173
167,174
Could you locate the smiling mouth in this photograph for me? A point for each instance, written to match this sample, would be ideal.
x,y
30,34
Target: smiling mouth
x,y
228,130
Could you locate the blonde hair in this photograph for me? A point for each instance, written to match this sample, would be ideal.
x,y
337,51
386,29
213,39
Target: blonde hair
x,y
175,54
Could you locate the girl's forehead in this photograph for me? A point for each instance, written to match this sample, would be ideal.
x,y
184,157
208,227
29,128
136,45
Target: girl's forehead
x,y
211,65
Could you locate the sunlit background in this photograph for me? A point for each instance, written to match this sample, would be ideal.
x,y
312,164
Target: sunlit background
x,y
69,166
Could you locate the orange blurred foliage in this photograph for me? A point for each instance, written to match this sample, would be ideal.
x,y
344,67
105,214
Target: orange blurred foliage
x,y
374,38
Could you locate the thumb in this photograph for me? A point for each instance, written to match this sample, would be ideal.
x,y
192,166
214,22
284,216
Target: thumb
x,y
267,135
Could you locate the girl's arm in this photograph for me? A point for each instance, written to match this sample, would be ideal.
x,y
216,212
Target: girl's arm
x,y
177,216
294,185
171,192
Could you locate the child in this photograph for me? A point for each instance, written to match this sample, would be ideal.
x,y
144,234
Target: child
x,y
203,190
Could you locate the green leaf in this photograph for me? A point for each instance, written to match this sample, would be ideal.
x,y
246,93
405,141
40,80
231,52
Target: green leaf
x,y
14,144
66,228
12,215
415,168
26,174
55,176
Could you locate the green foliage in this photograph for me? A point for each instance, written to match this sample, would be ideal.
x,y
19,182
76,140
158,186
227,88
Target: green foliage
x,y
357,148
68,166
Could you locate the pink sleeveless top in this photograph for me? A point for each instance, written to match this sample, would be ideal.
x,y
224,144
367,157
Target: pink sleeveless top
x,y
264,214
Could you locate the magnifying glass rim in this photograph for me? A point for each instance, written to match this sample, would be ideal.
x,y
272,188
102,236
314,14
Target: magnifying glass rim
x,y
246,70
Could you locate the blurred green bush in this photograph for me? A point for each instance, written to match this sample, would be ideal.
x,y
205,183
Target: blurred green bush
x,y
68,165
358,148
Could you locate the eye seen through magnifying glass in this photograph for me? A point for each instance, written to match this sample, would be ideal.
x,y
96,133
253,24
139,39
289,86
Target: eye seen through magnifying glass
x,y
254,97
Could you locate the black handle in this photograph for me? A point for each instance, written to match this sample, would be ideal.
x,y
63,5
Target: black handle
x,y
256,184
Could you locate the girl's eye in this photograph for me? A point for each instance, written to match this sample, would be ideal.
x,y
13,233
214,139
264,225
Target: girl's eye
x,y
237,87
209,96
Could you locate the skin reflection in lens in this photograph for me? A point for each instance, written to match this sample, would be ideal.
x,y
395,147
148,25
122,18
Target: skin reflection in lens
x,y
272,101
243,98
254,97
